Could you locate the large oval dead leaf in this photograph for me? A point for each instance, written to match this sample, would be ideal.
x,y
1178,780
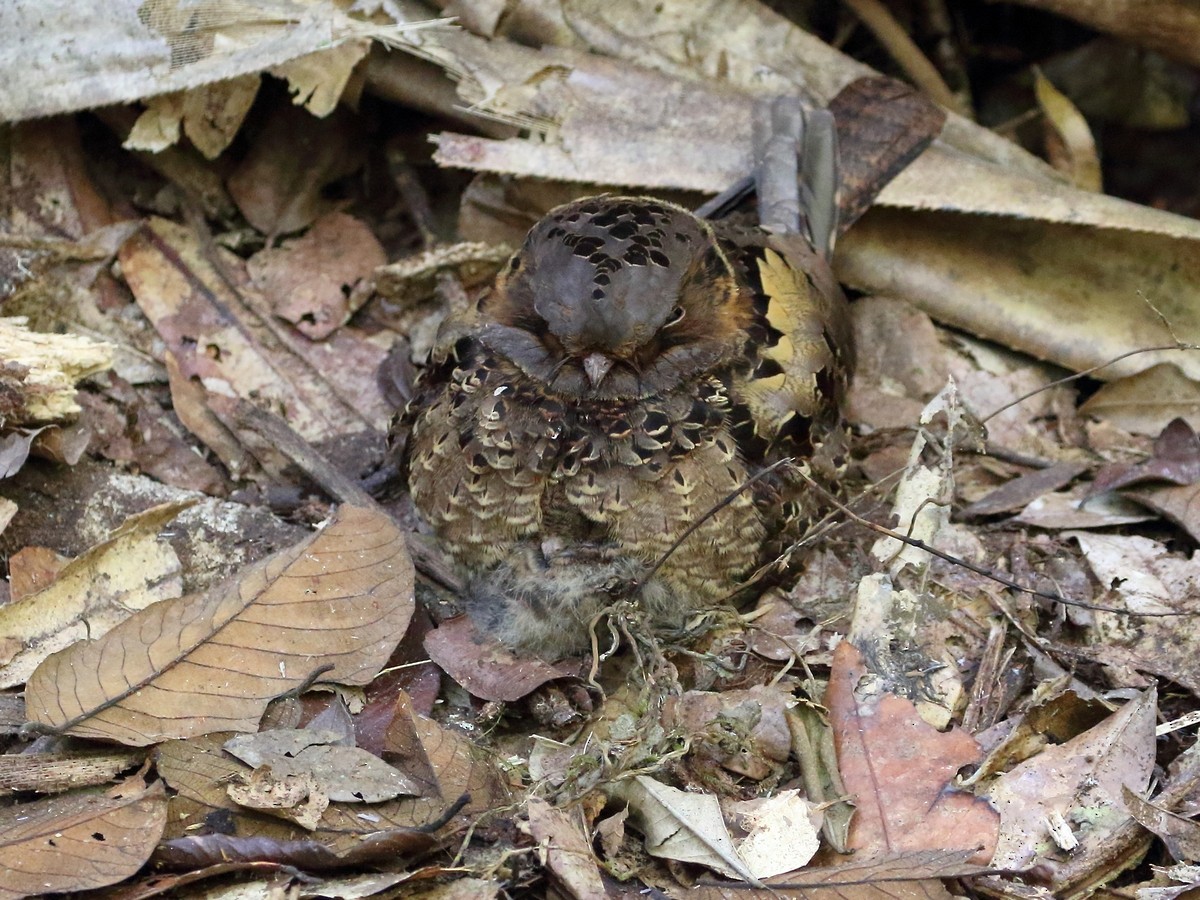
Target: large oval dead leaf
x,y
333,607
80,841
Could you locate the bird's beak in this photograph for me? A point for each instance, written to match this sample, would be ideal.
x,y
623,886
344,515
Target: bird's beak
x,y
596,365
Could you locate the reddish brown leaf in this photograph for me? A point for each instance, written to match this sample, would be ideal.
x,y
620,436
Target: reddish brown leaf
x,y
899,770
309,281
485,667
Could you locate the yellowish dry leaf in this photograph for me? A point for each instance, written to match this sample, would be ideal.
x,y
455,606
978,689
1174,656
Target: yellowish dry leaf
x,y
92,594
1069,141
318,79
331,608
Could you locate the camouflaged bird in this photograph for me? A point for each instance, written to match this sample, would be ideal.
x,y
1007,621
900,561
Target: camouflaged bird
x,y
628,373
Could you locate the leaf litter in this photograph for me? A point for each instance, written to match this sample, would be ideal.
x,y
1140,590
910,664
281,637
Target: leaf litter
x,y
887,701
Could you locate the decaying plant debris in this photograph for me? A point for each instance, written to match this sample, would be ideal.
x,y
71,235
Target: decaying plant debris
x,y
226,246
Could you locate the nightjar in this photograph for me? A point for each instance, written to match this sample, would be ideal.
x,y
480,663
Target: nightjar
x,y
631,369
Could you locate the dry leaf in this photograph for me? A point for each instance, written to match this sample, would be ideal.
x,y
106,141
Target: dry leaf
x,y
1022,491
318,79
279,185
79,841
899,770
346,774
902,876
309,281
566,850
1144,576
1181,835
783,832
92,594
1146,402
339,600
679,825
1076,508
485,667
127,50
1069,142
1080,781
130,426
221,344
1180,504
210,115
1176,459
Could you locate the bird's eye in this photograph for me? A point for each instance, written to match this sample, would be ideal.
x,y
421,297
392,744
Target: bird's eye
x,y
514,264
675,317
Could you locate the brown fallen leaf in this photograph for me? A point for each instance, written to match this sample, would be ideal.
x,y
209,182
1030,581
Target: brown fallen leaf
x,y
1180,834
681,825
1022,491
311,280
130,427
1177,503
1176,459
901,876
485,667
1079,784
92,594
79,841
331,608
31,569
278,186
224,345
348,774
1144,576
899,770
569,857
1146,402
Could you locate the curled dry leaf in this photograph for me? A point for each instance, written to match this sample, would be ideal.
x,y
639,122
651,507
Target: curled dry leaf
x,y
79,841
198,770
92,594
1144,577
1081,782
1069,141
680,825
333,607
